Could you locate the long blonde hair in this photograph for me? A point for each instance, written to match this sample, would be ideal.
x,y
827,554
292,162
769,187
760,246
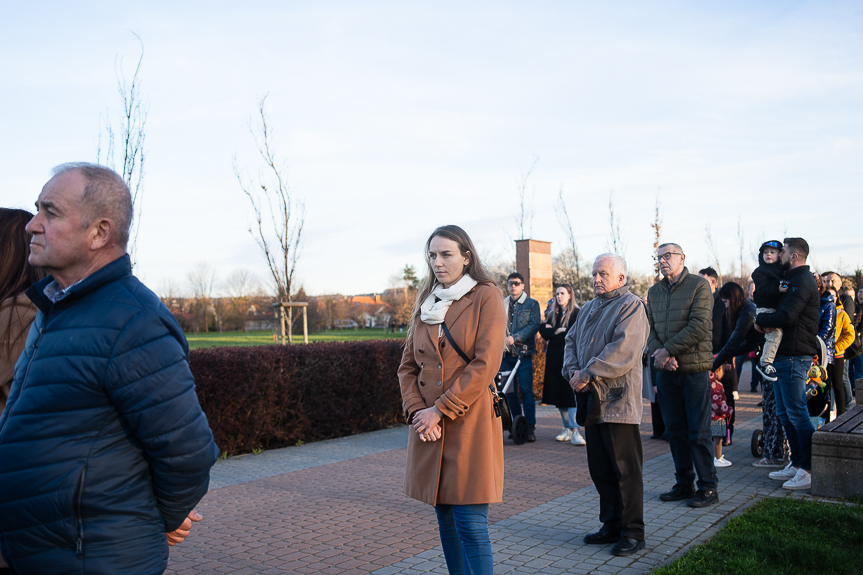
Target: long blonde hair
x,y
474,269
568,309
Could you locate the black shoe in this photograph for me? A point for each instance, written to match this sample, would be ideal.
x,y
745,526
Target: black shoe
x,y
678,493
655,436
601,537
703,498
627,546
531,436
760,404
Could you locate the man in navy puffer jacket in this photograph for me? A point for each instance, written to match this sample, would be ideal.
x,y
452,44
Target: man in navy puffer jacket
x,y
104,448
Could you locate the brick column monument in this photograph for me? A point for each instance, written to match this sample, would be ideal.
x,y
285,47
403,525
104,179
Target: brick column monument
x,y
533,261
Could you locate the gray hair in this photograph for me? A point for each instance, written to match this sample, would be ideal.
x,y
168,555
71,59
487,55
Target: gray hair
x,y
619,262
105,195
671,245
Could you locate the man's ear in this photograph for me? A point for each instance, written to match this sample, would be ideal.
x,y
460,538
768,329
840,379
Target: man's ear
x,y
101,234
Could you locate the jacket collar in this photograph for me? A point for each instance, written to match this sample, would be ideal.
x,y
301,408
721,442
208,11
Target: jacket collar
x,y
793,272
679,281
116,270
615,293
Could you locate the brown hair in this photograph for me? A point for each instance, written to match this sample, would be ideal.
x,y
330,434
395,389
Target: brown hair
x,y
820,283
567,309
16,273
736,298
474,269
798,246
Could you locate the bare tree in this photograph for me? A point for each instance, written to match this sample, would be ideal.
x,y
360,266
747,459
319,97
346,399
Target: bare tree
x,y
566,224
741,244
241,284
657,235
285,213
525,211
202,281
616,243
712,250
129,158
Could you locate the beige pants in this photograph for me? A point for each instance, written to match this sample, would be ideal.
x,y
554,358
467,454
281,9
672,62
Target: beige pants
x,y
772,340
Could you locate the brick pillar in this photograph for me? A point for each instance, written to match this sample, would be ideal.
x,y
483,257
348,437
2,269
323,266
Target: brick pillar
x,y
533,261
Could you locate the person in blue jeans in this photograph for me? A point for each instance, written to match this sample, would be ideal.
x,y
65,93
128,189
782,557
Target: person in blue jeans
x,y
522,324
797,315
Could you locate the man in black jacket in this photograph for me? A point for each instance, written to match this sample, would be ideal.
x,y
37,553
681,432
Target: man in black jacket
x,y
797,316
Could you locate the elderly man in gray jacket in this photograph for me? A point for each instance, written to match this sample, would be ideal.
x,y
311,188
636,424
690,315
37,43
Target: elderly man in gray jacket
x,y
603,356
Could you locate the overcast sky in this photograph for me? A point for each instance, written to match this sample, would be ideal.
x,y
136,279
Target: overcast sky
x,y
396,117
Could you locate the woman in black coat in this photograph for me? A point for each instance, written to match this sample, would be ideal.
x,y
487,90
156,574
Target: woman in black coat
x,y
556,390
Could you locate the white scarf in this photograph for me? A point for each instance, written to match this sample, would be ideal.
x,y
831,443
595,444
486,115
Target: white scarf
x,y
433,312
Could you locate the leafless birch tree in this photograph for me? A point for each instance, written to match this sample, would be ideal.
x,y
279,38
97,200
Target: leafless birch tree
x,y
124,146
566,224
712,250
657,236
616,243
277,210
525,210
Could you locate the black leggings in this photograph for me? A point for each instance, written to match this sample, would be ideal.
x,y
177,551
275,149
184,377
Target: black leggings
x,y
836,371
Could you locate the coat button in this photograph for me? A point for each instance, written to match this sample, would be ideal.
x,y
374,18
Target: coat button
x,y
421,351
443,344
438,382
439,366
422,383
422,365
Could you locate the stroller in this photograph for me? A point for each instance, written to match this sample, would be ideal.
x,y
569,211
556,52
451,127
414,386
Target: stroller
x,y
518,425
817,400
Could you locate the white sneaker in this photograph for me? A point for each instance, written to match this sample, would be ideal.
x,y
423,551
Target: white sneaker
x,y
721,462
784,474
735,395
802,480
577,439
564,435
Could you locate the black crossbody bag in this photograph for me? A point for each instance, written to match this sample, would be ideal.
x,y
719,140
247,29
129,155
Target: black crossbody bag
x,y
501,407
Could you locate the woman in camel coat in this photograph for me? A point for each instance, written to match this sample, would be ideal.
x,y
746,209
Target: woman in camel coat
x,y
17,312
455,448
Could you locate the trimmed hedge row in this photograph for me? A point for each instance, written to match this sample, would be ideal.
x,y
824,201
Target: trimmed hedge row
x,y
265,397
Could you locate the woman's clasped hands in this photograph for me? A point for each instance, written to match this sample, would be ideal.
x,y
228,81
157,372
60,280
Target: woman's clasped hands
x,y
425,423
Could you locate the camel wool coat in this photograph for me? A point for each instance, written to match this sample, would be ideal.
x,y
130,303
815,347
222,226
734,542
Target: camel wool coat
x,y
464,466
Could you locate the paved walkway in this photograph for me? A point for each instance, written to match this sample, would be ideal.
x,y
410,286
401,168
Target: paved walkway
x,y
337,507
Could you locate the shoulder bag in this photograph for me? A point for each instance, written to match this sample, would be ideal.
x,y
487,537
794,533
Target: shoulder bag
x,y
501,407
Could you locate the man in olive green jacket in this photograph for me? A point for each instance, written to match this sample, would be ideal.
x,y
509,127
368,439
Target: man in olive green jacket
x,y
680,312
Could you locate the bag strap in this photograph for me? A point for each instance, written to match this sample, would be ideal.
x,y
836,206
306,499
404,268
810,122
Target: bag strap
x,y
454,345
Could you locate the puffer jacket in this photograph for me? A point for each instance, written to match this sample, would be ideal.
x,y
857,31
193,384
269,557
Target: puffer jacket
x,y
103,445
844,331
681,321
797,315
606,346
827,324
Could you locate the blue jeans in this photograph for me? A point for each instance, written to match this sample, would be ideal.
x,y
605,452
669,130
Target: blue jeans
x,y
846,383
685,402
524,379
465,540
790,389
567,415
855,370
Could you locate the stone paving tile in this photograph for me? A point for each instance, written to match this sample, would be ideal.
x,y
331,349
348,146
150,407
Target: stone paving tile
x,y
337,507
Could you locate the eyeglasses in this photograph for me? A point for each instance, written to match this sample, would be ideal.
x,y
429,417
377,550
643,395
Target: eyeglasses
x,y
667,256
513,283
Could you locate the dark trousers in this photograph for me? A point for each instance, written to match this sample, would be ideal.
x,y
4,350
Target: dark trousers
x,y
614,459
656,416
685,402
524,380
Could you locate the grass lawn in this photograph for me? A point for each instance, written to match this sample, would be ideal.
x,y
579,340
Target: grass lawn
x,y
781,536
233,338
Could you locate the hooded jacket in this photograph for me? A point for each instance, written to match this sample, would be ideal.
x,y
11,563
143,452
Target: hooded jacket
x,y
103,445
605,346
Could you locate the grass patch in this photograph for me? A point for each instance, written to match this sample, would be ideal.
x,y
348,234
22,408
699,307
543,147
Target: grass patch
x,y
240,338
781,536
